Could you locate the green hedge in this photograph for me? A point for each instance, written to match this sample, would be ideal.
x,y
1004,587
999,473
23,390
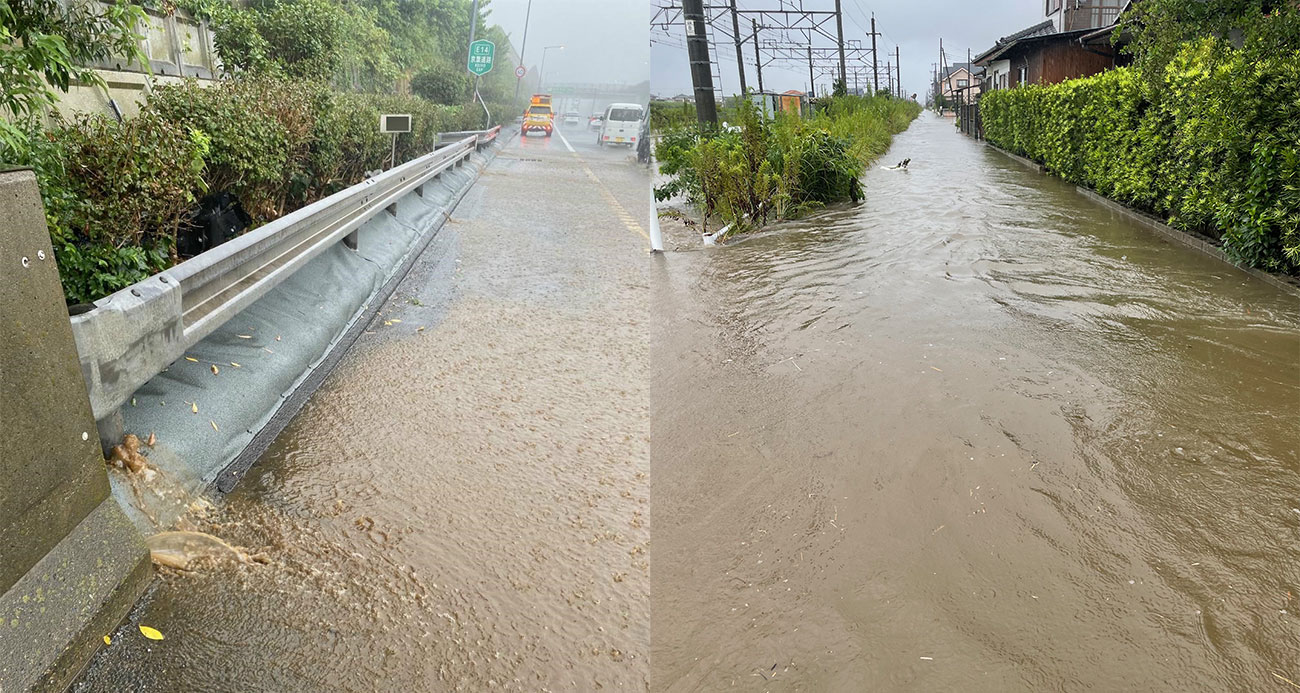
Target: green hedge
x,y
1216,149
116,194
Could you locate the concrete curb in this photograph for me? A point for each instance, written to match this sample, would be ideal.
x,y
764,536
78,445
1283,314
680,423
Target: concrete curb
x,y
1190,239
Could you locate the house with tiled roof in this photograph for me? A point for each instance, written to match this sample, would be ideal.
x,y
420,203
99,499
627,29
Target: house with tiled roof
x,y
960,82
1070,40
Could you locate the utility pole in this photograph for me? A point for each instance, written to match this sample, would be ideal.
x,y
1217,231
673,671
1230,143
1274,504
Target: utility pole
x,y
970,76
875,74
889,77
935,83
697,50
758,60
519,81
898,69
839,31
812,83
740,58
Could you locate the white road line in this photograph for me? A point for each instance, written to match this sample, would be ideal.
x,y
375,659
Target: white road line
x,y
566,142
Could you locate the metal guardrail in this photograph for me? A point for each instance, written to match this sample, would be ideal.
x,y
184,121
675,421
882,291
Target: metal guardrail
x,y
482,138
132,335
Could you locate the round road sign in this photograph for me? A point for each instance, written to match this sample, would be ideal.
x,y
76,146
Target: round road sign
x,y
520,72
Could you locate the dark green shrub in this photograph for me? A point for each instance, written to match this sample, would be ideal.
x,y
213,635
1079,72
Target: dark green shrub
x,y
303,38
442,84
252,150
115,194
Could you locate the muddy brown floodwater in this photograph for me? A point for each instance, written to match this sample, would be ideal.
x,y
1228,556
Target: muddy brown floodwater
x,y
980,434
464,504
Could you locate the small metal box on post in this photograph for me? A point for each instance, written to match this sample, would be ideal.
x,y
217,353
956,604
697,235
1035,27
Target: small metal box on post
x,y
389,124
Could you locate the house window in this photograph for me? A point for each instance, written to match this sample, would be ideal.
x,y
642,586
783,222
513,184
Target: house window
x,y
1052,6
1022,76
963,83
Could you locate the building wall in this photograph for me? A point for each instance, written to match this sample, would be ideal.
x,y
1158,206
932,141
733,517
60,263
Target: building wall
x,y
953,91
1069,15
1049,62
998,73
1062,61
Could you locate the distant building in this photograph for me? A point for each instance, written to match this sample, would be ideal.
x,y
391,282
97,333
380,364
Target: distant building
x,y
1074,15
1072,40
961,83
684,98
791,101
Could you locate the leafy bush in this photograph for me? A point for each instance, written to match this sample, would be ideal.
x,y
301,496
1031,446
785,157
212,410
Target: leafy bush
x,y
780,167
115,194
260,130
443,84
1211,148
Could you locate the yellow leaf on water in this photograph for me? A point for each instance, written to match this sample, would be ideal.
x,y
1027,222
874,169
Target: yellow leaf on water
x,y
108,640
244,336
151,633
214,369
388,322
194,407
419,329
235,364
214,425
937,369
396,320
188,358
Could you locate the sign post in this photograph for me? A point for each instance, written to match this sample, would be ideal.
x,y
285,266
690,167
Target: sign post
x,y
481,55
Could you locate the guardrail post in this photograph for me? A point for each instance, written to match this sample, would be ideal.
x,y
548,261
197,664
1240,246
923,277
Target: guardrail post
x,y
391,209
350,240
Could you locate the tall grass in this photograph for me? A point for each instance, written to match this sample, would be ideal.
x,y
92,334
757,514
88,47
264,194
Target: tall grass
x,y
779,167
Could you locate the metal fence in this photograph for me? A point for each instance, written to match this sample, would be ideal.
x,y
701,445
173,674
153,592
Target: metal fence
x,y
132,335
968,119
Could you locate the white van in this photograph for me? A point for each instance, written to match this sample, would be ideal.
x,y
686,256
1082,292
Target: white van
x,y
622,124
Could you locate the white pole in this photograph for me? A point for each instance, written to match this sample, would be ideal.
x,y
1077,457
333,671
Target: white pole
x,y
656,236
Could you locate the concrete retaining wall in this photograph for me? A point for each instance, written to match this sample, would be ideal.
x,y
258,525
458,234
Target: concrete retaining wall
x,y
71,564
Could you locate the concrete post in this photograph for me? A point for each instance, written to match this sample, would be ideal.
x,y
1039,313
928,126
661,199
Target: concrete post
x,y
71,564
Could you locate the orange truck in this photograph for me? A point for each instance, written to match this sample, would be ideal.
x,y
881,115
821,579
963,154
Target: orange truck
x,y
539,116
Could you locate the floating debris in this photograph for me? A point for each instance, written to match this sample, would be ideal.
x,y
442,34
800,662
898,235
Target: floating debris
x,y
151,633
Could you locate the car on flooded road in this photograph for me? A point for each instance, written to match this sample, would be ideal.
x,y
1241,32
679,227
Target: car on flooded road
x,y
572,118
622,124
538,117
595,121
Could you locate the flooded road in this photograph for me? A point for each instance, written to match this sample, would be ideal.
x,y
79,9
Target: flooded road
x,y
464,504
978,433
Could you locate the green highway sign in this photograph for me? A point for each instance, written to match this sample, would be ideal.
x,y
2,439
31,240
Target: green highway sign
x,y
481,54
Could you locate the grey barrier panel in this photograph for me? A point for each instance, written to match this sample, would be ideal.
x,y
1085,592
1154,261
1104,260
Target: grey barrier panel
x,y
71,564
132,335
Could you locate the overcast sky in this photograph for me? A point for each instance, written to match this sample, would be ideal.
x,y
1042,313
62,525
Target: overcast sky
x,y
605,41
915,26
